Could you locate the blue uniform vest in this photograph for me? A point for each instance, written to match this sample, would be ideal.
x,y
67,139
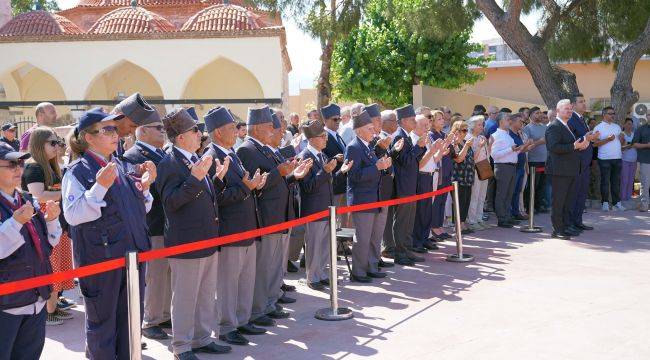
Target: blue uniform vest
x,y
24,263
122,226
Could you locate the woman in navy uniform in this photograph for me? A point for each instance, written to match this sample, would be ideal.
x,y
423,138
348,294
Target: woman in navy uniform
x,y
106,210
27,236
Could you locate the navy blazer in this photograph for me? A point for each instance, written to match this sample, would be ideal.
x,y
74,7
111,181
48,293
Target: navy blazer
x,y
333,148
562,158
580,128
364,179
191,211
136,155
237,204
273,200
406,165
316,191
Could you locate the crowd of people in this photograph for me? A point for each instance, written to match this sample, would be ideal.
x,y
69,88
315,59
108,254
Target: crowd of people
x,y
133,179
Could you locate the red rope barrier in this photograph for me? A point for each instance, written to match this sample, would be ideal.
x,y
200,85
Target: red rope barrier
x,y
109,265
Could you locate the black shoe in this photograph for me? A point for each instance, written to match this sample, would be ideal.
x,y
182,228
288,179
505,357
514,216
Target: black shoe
x,y
143,345
325,282
430,245
570,232
188,355
419,249
404,261
385,264
559,235
213,348
287,288
263,321
154,333
467,231
388,254
376,275
520,217
316,286
302,261
434,239
278,314
361,279
584,227
291,267
65,304
166,324
506,225
286,300
415,258
513,222
250,329
574,229
234,338
444,236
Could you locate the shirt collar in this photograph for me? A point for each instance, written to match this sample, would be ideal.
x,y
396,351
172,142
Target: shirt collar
x,y
225,151
255,140
148,146
272,148
331,132
313,150
185,153
415,137
364,142
100,156
9,198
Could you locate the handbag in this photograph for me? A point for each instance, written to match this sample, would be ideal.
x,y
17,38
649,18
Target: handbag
x,y
484,170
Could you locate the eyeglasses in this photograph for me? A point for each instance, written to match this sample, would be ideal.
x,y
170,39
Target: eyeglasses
x,y
106,130
54,143
610,113
194,129
13,165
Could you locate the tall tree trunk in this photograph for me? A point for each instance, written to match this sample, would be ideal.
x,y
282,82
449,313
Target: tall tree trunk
x,y
552,82
622,94
324,87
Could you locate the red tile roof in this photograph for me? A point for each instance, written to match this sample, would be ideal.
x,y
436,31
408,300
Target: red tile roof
x,y
96,3
39,22
131,20
223,18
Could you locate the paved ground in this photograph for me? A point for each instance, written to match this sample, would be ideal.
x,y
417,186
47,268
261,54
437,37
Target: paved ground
x,y
525,297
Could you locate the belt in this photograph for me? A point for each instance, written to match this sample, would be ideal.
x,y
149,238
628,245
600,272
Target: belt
x,y
511,164
428,173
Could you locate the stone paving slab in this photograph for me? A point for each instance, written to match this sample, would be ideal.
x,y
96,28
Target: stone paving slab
x,y
526,296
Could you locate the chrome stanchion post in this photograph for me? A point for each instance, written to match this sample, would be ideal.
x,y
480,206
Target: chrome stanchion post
x,y
459,256
531,206
334,312
133,295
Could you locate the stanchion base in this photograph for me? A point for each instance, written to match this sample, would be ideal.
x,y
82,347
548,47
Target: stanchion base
x,y
464,258
327,314
534,229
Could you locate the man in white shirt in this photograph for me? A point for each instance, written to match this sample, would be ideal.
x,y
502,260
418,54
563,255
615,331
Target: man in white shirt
x,y
609,159
504,153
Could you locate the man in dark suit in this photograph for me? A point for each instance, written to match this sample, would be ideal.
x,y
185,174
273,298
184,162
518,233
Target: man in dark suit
x,y
406,174
317,194
237,207
9,136
563,154
274,207
157,294
137,112
364,182
334,149
189,200
578,125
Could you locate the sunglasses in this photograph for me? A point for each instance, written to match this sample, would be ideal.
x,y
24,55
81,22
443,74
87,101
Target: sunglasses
x,y
106,130
54,143
13,165
194,129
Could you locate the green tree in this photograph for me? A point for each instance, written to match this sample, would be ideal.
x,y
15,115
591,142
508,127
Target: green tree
x,y
388,54
613,30
21,6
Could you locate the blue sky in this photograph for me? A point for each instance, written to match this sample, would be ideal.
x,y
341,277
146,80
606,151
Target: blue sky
x,y
305,51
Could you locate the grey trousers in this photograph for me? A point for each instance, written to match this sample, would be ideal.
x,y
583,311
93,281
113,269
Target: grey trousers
x,y
296,242
342,220
403,222
157,292
194,283
317,250
235,286
505,175
368,230
644,175
374,253
388,242
268,274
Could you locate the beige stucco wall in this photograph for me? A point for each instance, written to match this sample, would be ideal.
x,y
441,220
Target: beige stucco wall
x,y
594,81
78,67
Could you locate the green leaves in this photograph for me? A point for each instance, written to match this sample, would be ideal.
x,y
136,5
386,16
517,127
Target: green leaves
x,y
21,6
382,59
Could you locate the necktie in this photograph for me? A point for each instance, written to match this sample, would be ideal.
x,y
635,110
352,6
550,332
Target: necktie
x,y
236,160
320,159
31,229
340,140
160,152
194,160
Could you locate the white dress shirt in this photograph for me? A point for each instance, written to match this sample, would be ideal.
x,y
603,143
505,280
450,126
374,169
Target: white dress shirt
x,y
11,240
502,144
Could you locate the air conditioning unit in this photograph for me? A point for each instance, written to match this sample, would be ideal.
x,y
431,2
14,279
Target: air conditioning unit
x,y
640,110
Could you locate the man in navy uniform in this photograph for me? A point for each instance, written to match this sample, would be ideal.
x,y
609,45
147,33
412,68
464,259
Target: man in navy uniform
x,y
9,136
364,179
27,237
137,112
237,207
274,207
316,194
580,129
335,149
406,174
157,295
186,190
